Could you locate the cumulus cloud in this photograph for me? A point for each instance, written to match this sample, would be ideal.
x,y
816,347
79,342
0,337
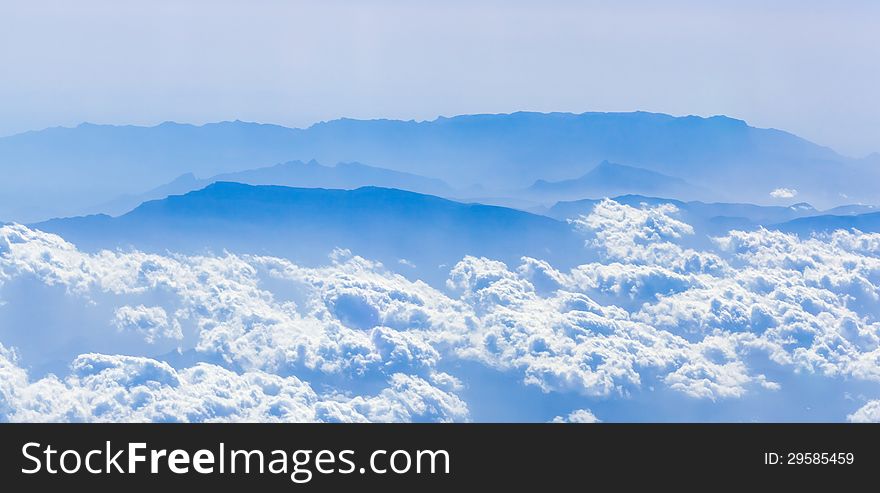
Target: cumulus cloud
x,y
151,322
783,193
262,338
577,416
869,413
112,388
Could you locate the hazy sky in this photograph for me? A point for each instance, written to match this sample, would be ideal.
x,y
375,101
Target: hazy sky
x,y
806,66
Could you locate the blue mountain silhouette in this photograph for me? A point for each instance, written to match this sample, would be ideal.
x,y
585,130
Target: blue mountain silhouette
x,y
805,226
610,179
60,171
345,176
307,224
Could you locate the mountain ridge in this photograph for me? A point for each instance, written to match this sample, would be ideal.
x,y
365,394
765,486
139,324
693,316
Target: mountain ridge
x,y
297,174
827,223
307,224
611,179
62,170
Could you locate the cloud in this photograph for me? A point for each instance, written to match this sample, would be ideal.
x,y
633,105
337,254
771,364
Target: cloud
x,y
113,388
869,413
643,236
262,338
151,322
408,399
577,416
783,193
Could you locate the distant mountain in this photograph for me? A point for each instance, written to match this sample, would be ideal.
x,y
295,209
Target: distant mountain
x,y
59,171
62,170
124,203
307,224
742,163
611,179
527,205
805,226
871,160
346,176
852,210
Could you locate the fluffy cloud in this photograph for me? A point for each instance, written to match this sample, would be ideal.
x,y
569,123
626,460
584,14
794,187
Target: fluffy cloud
x,y
109,388
577,416
151,322
869,413
783,193
262,338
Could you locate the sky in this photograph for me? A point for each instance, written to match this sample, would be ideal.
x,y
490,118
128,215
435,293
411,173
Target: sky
x,y
808,67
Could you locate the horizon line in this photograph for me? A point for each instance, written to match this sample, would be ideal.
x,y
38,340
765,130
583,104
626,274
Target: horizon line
x,y
438,118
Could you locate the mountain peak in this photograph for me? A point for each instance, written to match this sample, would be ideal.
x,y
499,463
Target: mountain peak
x,y
802,206
185,178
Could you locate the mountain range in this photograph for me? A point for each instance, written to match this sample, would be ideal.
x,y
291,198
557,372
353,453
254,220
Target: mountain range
x,y
612,179
827,223
426,234
344,176
62,171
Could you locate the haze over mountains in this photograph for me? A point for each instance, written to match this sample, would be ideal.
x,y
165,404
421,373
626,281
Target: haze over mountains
x,y
678,292
418,235
345,176
64,171
828,223
611,179
526,161
421,233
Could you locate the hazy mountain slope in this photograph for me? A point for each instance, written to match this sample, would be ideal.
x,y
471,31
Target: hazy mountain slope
x,y
124,203
805,226
307,224
346,176
62,170
610,179
852,210
516,150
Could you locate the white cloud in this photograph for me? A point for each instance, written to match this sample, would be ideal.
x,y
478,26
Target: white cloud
x,y
577,416
869,413
124,388
408,399
151,322
783,193
649,312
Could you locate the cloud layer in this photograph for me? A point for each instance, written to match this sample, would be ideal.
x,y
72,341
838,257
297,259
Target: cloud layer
x,y
252,338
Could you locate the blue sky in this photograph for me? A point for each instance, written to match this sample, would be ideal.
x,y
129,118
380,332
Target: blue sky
x,y
808,67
